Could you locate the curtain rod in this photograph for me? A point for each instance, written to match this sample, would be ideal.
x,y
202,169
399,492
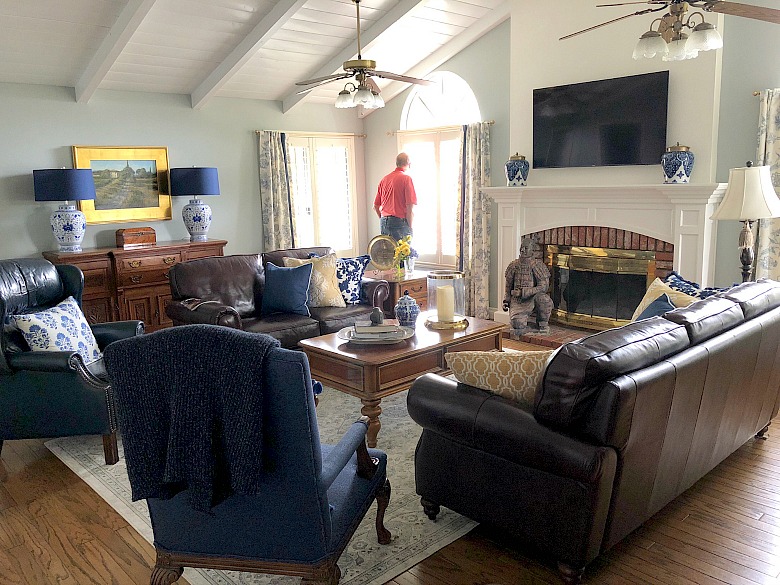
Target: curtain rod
x,y
756,93
301,133
454,127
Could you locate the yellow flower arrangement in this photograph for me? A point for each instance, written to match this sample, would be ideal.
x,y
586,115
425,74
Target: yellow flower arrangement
x,y
403,251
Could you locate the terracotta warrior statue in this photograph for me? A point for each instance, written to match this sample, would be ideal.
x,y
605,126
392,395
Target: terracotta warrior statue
x,y
527,281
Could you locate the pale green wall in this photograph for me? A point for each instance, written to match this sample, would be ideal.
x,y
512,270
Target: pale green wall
x,y
40,123
751,62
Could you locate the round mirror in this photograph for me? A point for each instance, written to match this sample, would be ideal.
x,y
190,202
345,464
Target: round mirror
x,y
381,249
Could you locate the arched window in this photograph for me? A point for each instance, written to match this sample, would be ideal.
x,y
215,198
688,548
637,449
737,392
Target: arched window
x,y
431,135
449,101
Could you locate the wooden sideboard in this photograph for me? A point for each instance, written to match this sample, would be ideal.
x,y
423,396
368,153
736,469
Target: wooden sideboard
x,y
132,283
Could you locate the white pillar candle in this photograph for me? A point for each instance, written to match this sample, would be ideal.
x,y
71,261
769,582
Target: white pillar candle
x,y
445,303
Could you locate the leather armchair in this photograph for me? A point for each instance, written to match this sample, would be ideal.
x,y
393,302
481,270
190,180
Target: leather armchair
x,y
52,393
276,500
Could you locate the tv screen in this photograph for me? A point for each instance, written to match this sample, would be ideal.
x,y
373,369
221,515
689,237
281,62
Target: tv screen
x,y
610,122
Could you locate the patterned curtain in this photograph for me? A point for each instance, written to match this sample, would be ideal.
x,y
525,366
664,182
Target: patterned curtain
x,y
768,153
275,194
473,218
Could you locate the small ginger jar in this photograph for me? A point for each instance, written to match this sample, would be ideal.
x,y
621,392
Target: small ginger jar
x,y
407,310
677,163
517,170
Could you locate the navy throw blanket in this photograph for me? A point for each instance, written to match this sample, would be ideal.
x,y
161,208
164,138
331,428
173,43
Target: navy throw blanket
x,y
190,409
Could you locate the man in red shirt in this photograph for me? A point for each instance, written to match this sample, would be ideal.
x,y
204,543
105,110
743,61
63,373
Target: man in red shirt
x,y
395,200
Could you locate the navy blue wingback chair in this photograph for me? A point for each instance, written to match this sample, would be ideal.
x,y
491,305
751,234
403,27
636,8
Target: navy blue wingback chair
x,y
52,393
220,437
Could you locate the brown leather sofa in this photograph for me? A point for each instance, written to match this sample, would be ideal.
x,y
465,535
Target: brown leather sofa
x,y
625,421
232,288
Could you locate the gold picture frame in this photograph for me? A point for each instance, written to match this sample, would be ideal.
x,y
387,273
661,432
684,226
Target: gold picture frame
x,y
131,183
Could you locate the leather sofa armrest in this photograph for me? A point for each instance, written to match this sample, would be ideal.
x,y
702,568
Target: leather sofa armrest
x,y
495,425
375,292
208,313
106,333
42,361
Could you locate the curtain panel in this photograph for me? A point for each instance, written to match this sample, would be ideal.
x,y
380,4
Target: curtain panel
x,y
768,153
473,218
278,220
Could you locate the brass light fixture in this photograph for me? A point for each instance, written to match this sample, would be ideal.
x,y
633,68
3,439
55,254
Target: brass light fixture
x,y
669,40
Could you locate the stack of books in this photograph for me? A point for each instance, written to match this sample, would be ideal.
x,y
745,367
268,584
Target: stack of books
x,y
365,330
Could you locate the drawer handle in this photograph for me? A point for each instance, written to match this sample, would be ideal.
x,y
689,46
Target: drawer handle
x,y
169,259
417,289
134,263
136,279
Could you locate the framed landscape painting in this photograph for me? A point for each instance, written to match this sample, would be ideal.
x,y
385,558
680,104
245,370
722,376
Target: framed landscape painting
x,y
131,183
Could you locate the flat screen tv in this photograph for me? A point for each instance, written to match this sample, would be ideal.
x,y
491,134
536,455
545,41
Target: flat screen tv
x,y
609,122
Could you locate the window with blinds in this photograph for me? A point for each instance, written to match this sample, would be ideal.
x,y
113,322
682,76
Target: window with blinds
x,y
323,194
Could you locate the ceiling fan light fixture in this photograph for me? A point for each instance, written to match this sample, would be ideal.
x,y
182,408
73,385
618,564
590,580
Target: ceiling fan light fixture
x,y
705,37
649,45
344,100
679,50
363,97
379,101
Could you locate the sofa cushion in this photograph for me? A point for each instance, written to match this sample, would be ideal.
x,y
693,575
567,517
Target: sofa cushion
x,y
286,289
755,298
655,290
324,288
288,328
659,306
514,375
694,289
349,272
277,256
333,319
707,317
60,328
576,371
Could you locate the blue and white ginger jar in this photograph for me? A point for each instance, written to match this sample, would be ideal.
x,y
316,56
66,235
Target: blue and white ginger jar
x,y
517,170
407,310
677,162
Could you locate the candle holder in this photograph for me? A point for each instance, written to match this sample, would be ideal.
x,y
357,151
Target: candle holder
x,y
446,300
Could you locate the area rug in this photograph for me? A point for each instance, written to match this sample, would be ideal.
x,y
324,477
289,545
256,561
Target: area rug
x,y
364,562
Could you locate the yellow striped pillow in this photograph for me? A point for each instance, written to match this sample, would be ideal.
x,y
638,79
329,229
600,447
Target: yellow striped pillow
x,y
514,375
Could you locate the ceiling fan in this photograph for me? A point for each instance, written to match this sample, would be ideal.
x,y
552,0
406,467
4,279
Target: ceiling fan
x,y
366,91
672,23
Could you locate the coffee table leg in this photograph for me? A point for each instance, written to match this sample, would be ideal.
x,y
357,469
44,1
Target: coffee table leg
x,y
372,410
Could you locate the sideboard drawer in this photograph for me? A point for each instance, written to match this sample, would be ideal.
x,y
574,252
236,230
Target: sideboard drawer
x,y
156,276
147,262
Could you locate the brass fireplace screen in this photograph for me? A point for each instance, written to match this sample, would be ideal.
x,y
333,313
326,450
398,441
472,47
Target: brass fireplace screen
x,y
597,288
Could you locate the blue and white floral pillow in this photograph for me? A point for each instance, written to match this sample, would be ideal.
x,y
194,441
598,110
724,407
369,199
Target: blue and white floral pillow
x,y
677,282
61,328
349,272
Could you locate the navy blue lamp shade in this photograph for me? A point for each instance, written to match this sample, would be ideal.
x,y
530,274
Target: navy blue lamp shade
x,y
63,184
195,182
67,223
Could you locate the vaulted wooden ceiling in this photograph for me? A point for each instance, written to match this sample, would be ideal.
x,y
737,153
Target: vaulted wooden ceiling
x,y
254,49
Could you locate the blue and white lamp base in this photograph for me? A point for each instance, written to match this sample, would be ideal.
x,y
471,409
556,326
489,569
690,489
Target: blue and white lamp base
x,y
197,219
69,226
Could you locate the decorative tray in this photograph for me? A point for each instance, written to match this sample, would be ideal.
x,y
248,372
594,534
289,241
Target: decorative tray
x,y
348,335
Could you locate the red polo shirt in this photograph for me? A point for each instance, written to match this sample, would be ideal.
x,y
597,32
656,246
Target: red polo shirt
x,y
394,193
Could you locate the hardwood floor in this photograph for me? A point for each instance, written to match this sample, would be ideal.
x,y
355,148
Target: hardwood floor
x,y
726,529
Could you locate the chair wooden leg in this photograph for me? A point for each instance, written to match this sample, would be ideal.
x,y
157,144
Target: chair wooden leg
x,y
165,572
431,509
383,535
762,433
110,448
570,575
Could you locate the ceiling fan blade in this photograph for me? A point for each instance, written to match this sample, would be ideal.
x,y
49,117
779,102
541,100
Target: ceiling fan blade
x,y
323,82
744,10
646,11
664,2
327,78
404,78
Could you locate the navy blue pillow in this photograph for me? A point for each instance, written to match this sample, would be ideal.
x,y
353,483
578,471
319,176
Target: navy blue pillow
x,y
658,307
286,289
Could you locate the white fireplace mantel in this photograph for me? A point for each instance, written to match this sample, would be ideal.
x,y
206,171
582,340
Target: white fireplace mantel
x,y
676,213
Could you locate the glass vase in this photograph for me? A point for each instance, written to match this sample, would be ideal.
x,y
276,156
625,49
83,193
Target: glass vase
x,y
409,267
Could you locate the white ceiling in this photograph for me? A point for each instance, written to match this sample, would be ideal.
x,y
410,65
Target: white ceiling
x,y
255,49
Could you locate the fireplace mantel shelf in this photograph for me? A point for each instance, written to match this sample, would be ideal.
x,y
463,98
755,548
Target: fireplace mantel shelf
x,y
675,213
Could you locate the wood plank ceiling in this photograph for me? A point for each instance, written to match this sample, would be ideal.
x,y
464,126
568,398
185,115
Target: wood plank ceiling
x,y
253,49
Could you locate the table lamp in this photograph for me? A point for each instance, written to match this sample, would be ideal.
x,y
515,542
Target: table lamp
x,y
750,196
195,182
67,222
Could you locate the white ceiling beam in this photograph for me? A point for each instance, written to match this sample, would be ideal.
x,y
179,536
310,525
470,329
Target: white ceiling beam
x,y
367,38
245,50
444,53
116,40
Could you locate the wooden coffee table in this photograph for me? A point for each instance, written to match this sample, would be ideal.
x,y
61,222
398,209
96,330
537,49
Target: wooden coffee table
x,y
371,372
